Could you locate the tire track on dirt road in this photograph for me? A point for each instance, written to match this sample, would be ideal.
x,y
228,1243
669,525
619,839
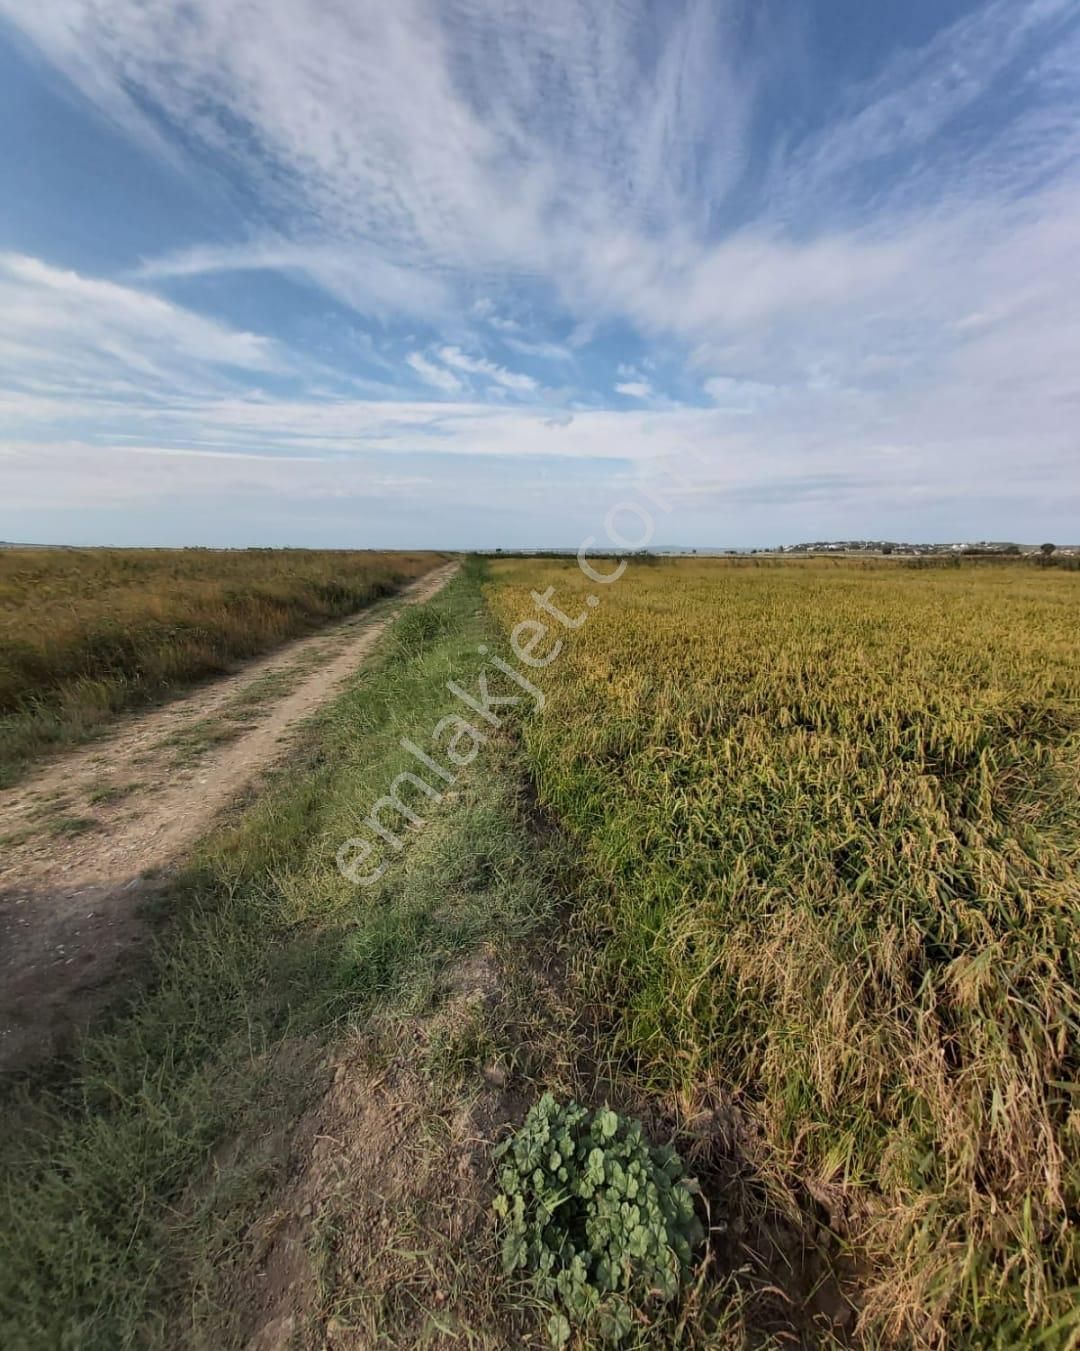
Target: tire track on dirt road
x,y
89,836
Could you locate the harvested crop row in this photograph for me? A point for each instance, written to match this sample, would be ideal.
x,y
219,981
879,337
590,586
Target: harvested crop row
x,y
831,839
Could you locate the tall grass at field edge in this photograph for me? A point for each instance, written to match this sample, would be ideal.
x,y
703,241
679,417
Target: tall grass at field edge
x,y
85,634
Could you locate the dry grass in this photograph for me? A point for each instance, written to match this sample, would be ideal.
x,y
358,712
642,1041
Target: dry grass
x,y
87,632
830,826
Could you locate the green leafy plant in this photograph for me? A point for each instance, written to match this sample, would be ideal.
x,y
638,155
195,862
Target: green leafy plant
x,y
602,1221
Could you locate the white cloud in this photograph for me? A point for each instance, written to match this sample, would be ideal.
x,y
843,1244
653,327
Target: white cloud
x,y
414,147
746,394
438,376
513,380
543,350
816,458
360,276
62,330
431,130
897,308
913,98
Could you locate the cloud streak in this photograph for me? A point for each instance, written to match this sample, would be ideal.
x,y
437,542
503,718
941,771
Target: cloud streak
x,y
431,374
94,338
874,295
499,375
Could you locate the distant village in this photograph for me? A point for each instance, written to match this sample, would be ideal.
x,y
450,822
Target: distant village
x,y
886,547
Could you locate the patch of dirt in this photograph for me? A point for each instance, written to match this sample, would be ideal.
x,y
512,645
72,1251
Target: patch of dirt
x,y
86,839
382,1226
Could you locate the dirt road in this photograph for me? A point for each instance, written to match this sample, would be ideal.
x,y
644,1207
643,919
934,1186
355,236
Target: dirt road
x,y
78,840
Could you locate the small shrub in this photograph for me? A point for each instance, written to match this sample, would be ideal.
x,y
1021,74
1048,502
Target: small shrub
x,y
602,1221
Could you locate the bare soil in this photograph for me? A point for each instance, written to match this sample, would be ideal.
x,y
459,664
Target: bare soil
x,y
380,1224
87,839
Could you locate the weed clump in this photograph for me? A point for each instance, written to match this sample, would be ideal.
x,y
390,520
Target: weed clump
x,y
602,1221
416,629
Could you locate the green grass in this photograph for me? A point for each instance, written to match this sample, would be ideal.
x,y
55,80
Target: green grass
x,y
73,825
86,633
189,744
109,793
266,688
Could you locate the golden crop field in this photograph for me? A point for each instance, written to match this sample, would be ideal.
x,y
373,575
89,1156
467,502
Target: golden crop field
x,y
829,818
86,632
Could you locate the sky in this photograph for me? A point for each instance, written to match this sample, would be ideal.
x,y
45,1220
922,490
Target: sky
x,y
471,273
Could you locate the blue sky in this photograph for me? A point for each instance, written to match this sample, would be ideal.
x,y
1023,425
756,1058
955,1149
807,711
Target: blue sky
x,y
470,272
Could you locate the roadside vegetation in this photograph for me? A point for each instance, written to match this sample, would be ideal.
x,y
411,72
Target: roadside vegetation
x,y
827,819
143,1178
85,633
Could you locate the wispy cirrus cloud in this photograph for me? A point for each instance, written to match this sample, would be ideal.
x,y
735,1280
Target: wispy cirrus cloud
x,y
488,370
451,137
921,93
541,349
364,279
71,331
413,145
874,288
432,374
